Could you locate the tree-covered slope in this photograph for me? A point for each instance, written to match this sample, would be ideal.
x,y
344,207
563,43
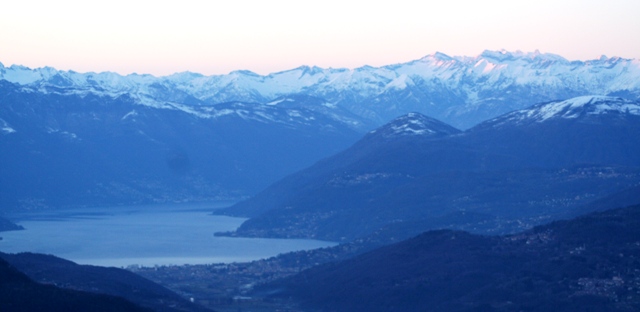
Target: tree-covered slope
x,y
586,264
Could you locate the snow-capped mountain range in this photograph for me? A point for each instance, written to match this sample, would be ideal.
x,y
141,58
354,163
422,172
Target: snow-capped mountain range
x,y
461,90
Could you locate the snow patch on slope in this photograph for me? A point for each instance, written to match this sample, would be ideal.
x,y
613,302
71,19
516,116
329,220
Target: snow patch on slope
x,y
413,124
591,105
132,113
6,128
569,109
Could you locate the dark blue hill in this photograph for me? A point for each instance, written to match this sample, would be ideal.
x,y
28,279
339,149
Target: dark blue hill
x,y
586,264
505,175
19,293
99,280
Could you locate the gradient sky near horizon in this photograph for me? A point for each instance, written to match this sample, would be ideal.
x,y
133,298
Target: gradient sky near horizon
x,y
216,37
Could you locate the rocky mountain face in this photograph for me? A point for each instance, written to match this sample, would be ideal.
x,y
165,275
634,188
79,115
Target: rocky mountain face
x,y
508,173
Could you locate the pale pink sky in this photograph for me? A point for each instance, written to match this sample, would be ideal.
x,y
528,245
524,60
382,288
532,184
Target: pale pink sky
x,y
216,37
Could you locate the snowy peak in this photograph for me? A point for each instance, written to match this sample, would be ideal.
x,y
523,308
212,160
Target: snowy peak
x,y
413,124
580,106
496,55
504,56
438,56
575,108
589,105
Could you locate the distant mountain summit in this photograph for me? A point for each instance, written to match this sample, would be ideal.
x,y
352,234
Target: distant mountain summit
x,y
413,124
585,129
460,90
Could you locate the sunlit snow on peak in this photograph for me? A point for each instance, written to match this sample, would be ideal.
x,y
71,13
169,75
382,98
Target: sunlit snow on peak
x,y
465,83
591,105
413,124
570,109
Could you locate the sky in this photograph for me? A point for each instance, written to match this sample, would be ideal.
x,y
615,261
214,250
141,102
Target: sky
x,y
217,37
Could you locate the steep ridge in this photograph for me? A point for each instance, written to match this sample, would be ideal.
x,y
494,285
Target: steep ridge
x,y
489,179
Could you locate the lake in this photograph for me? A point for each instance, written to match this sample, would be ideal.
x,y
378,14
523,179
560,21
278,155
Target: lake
x,y
174,234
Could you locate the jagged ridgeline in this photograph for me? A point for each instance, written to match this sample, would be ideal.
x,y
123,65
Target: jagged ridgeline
x,y
461,91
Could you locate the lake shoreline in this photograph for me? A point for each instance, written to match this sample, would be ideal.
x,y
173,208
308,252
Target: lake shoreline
x,y
148,235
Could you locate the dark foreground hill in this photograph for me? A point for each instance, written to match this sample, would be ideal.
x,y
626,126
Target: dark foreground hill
x,y
98,280
18,293
587,264
505,175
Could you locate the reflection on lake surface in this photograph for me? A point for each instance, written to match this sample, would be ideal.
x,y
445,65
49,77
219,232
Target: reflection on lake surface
x,y
142,235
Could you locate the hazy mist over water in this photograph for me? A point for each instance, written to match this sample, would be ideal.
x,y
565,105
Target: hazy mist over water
x,y
142,235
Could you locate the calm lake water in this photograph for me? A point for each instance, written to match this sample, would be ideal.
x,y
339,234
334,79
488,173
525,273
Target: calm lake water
x,y
142,235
